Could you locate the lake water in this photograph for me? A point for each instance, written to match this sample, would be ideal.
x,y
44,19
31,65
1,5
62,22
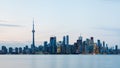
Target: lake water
x,y
59,61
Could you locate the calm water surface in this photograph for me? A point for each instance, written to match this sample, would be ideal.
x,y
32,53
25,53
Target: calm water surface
x,y
59,61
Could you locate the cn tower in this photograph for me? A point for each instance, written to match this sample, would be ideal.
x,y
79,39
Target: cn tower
x,y
33,37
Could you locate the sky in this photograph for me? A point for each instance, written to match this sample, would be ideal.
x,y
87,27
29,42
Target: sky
x,y
89,18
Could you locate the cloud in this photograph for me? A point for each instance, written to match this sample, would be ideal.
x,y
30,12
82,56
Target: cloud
x,y
111,0
10,25
3,21
108,29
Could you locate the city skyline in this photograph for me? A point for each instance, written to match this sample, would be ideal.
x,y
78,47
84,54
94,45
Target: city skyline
x,y
53,46
99,19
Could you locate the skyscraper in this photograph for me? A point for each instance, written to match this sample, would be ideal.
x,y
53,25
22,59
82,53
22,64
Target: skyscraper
x,y
65,48
45,47
99,45
53,46
103,49
79,45
116,49
67,40
64,40
91,47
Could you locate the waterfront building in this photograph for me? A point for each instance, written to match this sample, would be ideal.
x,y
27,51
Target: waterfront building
x,y
10,50
4,50
45,47
116,49
53,46
20,50
16,50
91,46
99,46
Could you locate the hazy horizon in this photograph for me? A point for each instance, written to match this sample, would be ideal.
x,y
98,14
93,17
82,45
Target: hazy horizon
x,y
90,18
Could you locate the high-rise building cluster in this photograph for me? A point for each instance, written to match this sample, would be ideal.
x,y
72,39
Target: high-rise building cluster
x,y
88,46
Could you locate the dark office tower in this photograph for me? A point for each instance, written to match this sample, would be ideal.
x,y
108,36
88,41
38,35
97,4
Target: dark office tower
x,y
63,47
10,50
45,47
103,43
4,50
92,39
88,42
20,50
87,46
67,40
67,44
53,47
98,43
16,50
116,49
64,40
80,46
91,47
99,46
80,38
103,49
107,50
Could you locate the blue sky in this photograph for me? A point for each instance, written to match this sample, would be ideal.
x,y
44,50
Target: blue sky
x,y
97,18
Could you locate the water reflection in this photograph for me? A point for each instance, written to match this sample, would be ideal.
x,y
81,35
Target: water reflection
x,y
59,61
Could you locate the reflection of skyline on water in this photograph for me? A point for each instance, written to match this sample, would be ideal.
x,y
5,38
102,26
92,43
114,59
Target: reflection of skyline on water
x,y
59,61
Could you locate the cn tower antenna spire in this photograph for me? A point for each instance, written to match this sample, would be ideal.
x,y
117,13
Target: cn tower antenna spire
x,y
33,24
